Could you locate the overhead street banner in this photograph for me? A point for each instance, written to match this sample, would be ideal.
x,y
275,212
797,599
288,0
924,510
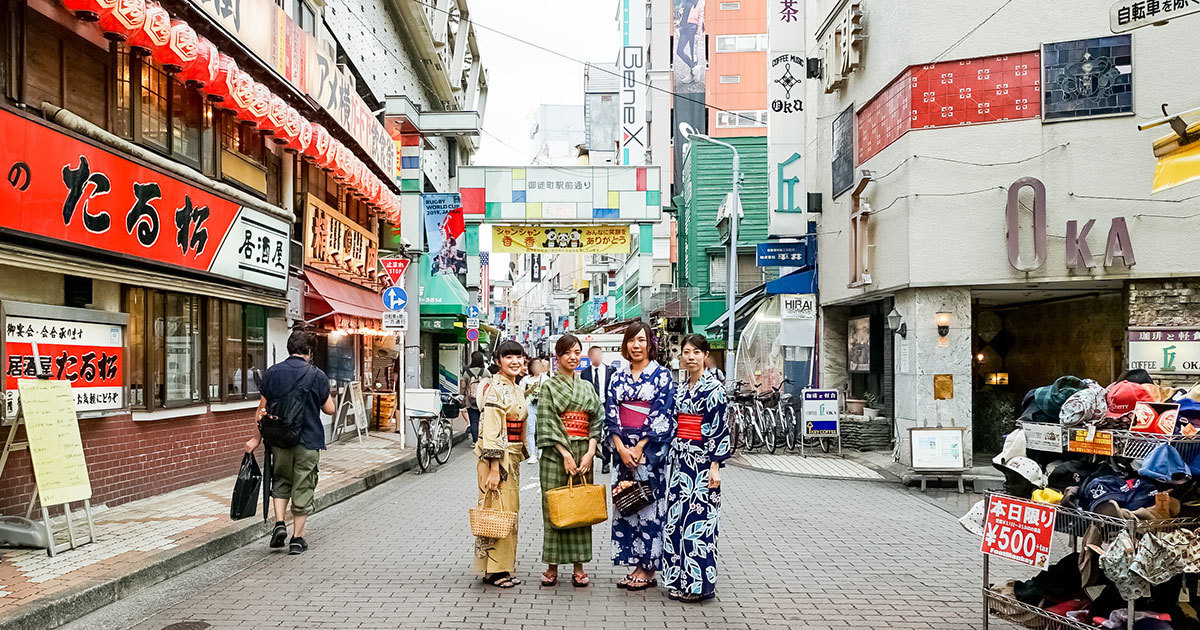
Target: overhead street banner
x,y
565,239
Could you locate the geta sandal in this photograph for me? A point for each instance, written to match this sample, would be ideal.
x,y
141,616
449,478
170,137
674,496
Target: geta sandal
x,y
549,579
580,580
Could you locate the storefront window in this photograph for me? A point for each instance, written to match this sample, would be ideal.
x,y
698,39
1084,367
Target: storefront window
x,y
187,121
213,348
155,113
123,123
241,137
135,305
183,358
256,347
157,349
341,358
234,335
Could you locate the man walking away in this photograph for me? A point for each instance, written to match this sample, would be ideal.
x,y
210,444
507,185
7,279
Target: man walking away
x,y
294,470
710,367
599,375
474,375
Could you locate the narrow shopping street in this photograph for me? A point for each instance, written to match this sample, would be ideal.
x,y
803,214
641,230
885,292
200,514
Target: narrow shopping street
x,y
796,552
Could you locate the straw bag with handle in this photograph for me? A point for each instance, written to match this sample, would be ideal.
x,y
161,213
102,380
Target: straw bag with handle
x,y
490,522
577,505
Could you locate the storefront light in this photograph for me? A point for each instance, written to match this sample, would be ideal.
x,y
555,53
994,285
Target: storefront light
x,y
943,323
979,357
896,324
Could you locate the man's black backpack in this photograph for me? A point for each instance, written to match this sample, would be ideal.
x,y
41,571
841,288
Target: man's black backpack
x,y
280,425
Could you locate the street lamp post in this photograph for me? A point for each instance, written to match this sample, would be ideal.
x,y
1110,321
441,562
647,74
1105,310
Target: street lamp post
x,y
735,211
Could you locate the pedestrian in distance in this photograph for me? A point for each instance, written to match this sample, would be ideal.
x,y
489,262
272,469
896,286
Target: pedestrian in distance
x,y
531,385
640,418
501,449
299,390
475,374
711,367
599,376
568,429
702,444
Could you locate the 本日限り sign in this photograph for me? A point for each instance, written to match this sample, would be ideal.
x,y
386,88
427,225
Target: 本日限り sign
x,y
1018,530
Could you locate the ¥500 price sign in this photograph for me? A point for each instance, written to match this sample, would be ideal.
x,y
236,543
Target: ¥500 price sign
x,y
1018,530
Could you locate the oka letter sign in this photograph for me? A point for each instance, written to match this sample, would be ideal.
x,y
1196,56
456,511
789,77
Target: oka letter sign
x,y
1079,253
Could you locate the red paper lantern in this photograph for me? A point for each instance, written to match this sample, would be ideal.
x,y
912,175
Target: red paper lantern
x,y
204,69
122,19
276,115
86,10
221,88
298,131
318,145
343,164
329,163
155,32
180,50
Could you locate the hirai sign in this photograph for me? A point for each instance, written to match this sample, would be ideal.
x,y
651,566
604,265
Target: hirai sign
x,y
1079,253
63,188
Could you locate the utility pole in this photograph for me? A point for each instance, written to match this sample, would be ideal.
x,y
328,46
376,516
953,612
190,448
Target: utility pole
x,y
735,211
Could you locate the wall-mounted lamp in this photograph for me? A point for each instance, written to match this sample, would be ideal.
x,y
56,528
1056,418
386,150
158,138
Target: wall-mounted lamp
x,y
980,358
896,324
943,323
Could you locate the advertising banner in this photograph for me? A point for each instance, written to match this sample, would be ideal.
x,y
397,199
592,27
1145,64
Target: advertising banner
x,y
1018,530
563,239
55,446
87,355
444,232
689,63
631,64
65,189
786,132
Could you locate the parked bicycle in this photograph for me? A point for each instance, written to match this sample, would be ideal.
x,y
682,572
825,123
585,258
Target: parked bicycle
x,y
748,419
434,436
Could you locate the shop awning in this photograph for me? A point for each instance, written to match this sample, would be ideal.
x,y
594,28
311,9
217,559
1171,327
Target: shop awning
x,y
442,294
796,282
345,298
744,308
1178,168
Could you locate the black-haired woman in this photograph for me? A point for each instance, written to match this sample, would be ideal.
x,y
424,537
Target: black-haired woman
x,y
501,449
568,427
640,417
702,443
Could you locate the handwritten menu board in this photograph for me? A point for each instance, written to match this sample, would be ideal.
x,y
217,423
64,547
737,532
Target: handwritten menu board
x,y
360,408
54,442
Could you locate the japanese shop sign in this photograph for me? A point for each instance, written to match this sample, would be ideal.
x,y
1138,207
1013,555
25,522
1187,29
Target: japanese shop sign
x,y
784,254
786,60
87,355
334,90
337,245
1018,530
589,239
1172,350
1127,15
631,63
1082,441
798,306
62,188
1043,437
820,410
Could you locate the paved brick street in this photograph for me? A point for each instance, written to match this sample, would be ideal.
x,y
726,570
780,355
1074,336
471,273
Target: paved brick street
x,y
797,552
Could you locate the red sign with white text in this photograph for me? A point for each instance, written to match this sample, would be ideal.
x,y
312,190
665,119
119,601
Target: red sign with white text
x,y
88,355
1019,530
395,268
60,187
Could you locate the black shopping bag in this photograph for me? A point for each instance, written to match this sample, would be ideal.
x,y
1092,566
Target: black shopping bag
x,y
245,490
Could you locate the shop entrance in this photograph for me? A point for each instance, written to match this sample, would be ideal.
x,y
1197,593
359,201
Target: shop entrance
x,y
1027,337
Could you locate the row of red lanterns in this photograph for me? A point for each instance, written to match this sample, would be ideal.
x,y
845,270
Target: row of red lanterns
x,y
147,27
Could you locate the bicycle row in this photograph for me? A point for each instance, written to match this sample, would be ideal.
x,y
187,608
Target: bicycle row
x,y
764,419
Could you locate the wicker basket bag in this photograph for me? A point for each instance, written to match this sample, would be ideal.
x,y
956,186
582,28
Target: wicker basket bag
x,y
490,522
577,505
629,497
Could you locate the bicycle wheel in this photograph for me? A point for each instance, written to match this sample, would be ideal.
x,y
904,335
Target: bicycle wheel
x,y
770,429
747,422
445,439
825,444
424,447
731,417
789,427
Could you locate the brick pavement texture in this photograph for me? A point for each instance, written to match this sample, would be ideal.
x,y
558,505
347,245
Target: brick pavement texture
x,y
811,466
139,533
795,552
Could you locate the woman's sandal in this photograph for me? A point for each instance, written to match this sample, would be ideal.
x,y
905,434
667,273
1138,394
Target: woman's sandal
x,y
580,580
549,579
641,584
694,599
626,582
501,580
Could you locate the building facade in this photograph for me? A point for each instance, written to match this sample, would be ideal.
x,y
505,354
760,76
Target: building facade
x,y
994,193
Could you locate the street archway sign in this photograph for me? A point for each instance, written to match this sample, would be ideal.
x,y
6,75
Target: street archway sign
x,y
569,194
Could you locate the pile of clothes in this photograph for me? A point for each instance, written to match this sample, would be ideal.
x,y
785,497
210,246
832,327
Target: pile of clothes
x,y
1093,585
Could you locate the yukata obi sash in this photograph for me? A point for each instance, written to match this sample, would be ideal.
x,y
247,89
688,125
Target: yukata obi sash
x,y
577,423
688,427
633,414
516,428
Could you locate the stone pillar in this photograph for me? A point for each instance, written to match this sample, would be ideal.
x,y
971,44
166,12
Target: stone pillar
x,y
833,349
929,356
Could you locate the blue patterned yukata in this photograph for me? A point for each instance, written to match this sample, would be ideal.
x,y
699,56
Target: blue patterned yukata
x,y
637,538
690,533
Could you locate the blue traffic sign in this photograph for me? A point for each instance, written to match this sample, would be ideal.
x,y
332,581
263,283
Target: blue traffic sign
x,y
472,312
394,299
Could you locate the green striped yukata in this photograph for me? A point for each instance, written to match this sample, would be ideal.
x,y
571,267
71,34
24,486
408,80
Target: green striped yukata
x,y
558,395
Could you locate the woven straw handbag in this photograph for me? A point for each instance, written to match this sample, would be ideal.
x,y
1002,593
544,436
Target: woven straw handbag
x,y
490,522
577,505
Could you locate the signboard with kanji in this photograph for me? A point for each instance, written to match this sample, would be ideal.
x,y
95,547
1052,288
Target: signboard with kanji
x,y
89,356
1165,350
1127,15
337,245
55,446
394,267
571,194
564,239
1019,530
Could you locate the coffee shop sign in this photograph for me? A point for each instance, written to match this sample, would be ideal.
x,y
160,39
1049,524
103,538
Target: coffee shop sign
x,y
1079,253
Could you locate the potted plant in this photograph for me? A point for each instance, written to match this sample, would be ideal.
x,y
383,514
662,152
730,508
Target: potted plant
x,y
871,406
854,406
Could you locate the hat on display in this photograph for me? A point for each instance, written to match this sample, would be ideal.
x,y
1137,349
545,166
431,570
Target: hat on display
x,y
1048,495
1027,469
1165,465
1159,392
1136,376
973,520
1188,418
1051,397
1085,406
1122,396
1014,446
1111,489
1063,475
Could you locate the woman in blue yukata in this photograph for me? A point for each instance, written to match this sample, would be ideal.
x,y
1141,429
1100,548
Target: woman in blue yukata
x,y
640,417
702,444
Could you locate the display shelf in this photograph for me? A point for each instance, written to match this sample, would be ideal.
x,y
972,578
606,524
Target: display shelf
x,y
1131,444
1017,612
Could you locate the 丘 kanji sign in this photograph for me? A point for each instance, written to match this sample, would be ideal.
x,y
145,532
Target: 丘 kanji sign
x,y
1019,530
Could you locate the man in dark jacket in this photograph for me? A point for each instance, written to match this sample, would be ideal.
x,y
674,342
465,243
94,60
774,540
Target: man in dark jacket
x,y
294,470
599,376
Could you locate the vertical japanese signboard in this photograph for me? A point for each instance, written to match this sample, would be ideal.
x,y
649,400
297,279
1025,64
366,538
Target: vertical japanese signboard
x,y
631,64
1019,530
337,245
88,356
786,138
